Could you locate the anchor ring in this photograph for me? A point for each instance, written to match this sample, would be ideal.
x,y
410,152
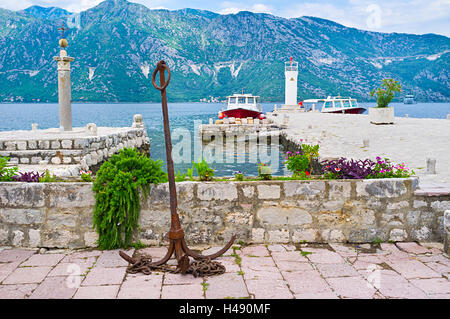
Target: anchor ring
x,y
161,65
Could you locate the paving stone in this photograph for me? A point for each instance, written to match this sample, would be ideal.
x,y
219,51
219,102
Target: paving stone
x,y
193,291
289,256
289,247
320,295
13,255
264,289
259,250
97,292
179,279
7,268
439,296
257,263
27,275
434,258
412,269
140,286
439,268
268,274
54,288
351,287
16,291
438,246
398,288
413,248
285,265
336,270
99,276
65,269
324,256
154,252
433,285
81,255
226,285
306,281
111,258
43,260
344,251
229,263
277,248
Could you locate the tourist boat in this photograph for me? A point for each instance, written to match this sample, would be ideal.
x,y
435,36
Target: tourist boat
x,y
242,106
337,104
408,99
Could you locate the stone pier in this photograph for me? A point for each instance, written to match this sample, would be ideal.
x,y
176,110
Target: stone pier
x,y
210,132
65,153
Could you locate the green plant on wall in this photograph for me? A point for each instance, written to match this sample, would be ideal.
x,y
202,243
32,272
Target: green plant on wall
x,y
205,173
386,92
47,178
117,195
6,173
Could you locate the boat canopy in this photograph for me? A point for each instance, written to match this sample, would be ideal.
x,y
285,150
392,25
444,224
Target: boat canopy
x,y
247,101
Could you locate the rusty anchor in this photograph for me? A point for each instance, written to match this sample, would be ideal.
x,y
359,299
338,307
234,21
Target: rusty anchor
x,y
177,243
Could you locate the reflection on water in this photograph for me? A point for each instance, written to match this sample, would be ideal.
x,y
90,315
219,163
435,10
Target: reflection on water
x,y
182,116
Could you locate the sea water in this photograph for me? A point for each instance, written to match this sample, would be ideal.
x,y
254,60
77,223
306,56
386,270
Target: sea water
x,y
184,117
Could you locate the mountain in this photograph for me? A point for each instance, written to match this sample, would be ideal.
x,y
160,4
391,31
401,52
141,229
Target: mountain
x,y
117,43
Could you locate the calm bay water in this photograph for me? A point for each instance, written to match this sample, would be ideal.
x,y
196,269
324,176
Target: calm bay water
x,y
182,115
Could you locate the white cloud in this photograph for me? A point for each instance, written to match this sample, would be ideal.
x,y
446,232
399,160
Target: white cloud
x,y
233,8
15,4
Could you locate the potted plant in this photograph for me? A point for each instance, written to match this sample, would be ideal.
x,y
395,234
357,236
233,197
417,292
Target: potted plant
x,y
382,114
239,176
264,171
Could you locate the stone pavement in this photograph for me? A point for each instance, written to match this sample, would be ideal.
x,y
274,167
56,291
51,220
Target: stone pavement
x,y
401,270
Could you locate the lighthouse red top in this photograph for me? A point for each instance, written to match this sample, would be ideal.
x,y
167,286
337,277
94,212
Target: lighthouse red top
x,y
292,60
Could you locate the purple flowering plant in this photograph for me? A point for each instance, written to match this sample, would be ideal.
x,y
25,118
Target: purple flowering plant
x,y
28,177
344,168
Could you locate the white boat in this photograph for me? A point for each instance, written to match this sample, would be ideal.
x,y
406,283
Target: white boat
x,y
408,99
242,106
337,104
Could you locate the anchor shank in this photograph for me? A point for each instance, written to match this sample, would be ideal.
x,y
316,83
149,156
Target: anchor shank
x,y
175,231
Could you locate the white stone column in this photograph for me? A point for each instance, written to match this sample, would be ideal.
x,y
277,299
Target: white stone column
x,y
64,91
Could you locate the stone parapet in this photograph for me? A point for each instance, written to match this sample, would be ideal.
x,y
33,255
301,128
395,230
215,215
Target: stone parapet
x,y
358,211
77,148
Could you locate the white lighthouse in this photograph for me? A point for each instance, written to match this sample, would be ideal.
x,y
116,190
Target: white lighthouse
x,y
291,75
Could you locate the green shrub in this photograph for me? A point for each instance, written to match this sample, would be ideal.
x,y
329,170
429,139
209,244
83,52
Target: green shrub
x,y
239,176
190,173
6,173
205,173
47,178
117,197
264,171
297,163
180,177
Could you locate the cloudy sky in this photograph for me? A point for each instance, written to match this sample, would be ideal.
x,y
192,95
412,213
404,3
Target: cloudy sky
x,y
410,16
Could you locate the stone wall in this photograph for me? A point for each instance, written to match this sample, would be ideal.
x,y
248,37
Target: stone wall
x,y
60,214
47,147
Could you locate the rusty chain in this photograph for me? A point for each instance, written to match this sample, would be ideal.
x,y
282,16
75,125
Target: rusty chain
x,y
198,268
